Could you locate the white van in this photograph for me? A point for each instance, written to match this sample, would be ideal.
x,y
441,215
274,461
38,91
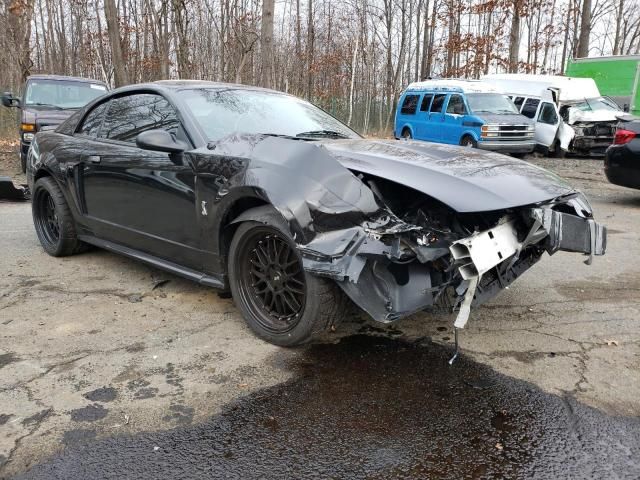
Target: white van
x,y
570,114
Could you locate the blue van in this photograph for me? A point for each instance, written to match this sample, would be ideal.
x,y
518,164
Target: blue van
x,y
463,112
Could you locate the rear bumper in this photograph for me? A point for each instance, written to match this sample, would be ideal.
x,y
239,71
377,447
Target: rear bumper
x,y
508,147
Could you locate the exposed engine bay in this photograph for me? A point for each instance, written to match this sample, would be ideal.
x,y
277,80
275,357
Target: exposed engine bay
x,y
419,254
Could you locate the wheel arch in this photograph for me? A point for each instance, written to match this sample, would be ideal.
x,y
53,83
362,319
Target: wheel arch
x,y
240,210
468,133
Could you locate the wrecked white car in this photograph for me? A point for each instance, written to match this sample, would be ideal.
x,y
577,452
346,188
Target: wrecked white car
x,y
265,195
570,114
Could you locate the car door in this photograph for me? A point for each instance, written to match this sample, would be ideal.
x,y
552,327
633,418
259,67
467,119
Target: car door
x,y
453,117
422,117
138,198
547,124
435,120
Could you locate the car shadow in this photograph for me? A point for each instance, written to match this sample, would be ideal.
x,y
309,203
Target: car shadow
x,y
374,407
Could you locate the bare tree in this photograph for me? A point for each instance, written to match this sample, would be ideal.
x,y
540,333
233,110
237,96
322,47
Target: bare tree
x,y
121,76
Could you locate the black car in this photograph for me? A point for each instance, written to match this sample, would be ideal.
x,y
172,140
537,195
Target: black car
x,y
622,161
268,196
48,100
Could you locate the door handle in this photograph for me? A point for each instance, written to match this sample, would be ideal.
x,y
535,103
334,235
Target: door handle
x,y
93,158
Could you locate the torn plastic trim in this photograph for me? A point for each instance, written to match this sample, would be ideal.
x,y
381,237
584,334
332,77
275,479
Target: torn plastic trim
x,y
477,254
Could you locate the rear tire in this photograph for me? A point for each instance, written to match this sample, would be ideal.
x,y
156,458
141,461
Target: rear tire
x,y
53,220
406,134
279,300
468,141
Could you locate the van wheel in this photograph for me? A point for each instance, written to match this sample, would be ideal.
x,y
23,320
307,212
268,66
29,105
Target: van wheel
x,y
469,142
406,133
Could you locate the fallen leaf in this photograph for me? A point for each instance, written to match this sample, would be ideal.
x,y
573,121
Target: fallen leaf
x,y
499,446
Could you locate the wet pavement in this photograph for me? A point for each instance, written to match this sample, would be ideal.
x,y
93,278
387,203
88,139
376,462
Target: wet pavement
x,y
373,407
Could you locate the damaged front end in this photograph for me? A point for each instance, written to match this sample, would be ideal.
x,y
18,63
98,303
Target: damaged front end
x,y
432,258
592,130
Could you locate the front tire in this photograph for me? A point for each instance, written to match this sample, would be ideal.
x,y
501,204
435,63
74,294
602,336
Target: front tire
x,y
53,220
406,134
279,300
469,142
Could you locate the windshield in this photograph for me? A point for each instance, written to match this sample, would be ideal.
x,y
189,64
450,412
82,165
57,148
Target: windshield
x,y
490,103
61,94
599,103
223,112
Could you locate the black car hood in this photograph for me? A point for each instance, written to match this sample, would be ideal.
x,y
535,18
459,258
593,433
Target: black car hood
x,y
45,116
467,180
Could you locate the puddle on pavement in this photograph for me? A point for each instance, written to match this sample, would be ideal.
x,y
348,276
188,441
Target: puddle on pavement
x,y
373,407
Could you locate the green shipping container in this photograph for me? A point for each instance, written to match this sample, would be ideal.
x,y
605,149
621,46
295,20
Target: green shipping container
x,y
617,77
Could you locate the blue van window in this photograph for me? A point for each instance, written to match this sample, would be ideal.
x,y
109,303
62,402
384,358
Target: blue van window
x,y
456,105
426,101
410,105
438,103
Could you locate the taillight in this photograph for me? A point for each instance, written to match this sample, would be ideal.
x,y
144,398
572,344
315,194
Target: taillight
x,y
623,136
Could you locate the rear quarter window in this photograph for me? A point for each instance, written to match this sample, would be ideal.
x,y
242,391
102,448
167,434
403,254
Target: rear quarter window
x,y
409,105
530,107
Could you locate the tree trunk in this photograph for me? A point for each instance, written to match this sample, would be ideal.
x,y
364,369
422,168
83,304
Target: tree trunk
x,y
117,59
266,44
585,30
514,38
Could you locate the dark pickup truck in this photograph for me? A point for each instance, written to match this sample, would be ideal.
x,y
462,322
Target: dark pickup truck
x,y
48,100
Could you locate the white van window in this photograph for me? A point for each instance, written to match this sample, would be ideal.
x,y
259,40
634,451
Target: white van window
x,y
426,101
438,103
548,114
530,107
456,105
518,102
410,105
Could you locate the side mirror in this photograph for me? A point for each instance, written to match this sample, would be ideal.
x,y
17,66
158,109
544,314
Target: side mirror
x,y
8,100
626,107
160,141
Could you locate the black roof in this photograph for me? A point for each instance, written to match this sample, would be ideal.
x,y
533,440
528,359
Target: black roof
x,y
63,77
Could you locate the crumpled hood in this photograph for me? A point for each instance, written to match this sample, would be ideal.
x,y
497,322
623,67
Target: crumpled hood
x,y
45,116
466,180
577,115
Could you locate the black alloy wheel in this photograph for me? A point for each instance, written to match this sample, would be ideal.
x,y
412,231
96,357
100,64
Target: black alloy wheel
x,y
280,301
46,221
53,220
272,281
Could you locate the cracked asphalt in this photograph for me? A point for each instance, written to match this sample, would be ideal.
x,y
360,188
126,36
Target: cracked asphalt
x,y
112,369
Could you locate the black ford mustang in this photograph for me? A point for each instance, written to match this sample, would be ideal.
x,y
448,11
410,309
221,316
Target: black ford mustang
x,y
264,194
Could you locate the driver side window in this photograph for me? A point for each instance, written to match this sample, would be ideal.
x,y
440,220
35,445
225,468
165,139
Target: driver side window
x,y
131,115
456,105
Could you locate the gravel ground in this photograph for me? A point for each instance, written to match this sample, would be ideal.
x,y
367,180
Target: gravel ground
x,y
110,368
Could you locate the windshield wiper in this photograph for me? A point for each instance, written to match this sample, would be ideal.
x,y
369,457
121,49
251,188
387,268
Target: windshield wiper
x,y
322,133
38,104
